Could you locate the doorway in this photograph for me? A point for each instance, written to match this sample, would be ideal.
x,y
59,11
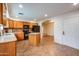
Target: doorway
x,y
48,30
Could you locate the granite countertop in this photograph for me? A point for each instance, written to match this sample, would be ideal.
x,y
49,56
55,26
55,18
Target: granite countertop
x,y
7,37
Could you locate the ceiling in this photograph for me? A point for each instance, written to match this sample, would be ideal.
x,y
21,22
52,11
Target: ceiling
x,y
38,10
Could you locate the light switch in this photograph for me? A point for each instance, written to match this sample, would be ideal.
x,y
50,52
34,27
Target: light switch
x,y
63,33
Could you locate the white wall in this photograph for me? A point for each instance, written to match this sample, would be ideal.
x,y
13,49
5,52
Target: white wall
x,y
58,28
70,24
41,28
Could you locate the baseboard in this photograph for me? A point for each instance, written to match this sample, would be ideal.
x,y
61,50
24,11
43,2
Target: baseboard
x,y
49,35
66,44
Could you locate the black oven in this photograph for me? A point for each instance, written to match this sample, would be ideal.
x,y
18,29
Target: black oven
x,y
26,31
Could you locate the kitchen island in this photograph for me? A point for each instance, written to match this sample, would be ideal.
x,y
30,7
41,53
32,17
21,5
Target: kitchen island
x,y
34,39
8,44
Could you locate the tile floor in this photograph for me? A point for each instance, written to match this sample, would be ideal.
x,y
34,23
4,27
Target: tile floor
x,y
46,48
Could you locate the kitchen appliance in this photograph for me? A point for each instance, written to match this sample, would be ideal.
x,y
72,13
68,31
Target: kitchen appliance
x,y
36,28
26,31
1,30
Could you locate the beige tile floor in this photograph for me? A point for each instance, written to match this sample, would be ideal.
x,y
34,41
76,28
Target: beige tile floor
x,y
46,48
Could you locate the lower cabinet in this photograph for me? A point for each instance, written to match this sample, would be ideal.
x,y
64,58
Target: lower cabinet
x,y
19,35
8,49
1,13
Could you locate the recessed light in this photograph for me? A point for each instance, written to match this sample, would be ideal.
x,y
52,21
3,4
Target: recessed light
x,y
16,16
20,6
51,21
45,15
75,3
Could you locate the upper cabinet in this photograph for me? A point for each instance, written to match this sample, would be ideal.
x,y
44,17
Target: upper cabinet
x,y
1,13
11,24
8,23
26,23
30,24
4,22
18,24
15,24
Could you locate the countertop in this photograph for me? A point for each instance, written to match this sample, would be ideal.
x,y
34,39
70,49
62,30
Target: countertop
x,y
8,37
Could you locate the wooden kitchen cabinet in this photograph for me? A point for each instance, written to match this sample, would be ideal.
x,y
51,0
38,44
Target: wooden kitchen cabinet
x,y
15,24
19,35
8,49
11,23
4,22
18,24
26,23
1,13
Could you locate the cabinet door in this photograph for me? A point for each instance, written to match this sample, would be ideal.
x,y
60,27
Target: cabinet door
x,y
19,24
1,13
11,24
8,49
4,22
26,23
19,35
15,24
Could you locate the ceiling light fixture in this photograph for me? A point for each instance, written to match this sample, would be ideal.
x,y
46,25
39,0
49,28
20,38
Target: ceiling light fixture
x,y
45,15
20,6
75,3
